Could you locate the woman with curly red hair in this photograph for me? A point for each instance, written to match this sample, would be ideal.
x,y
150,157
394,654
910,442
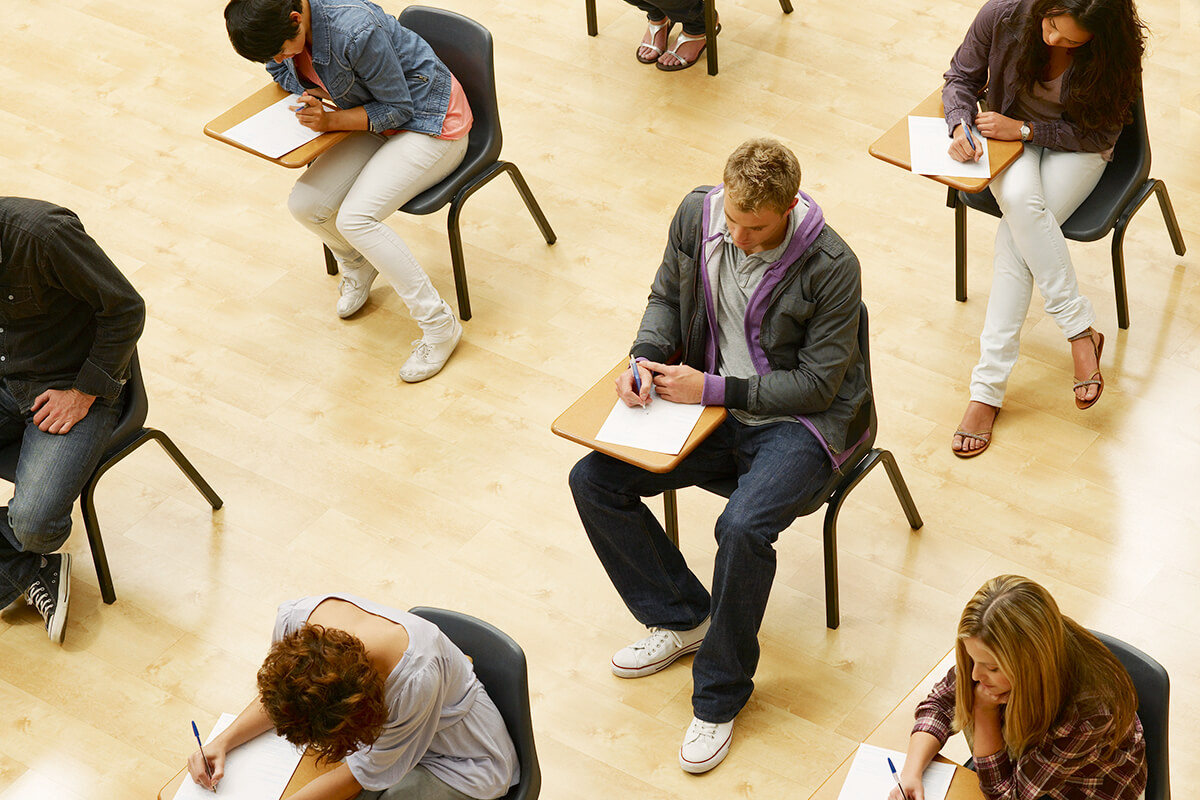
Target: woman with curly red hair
x,y
383,692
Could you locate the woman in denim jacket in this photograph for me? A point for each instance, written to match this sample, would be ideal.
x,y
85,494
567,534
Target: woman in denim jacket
x,y
357,69
1062,76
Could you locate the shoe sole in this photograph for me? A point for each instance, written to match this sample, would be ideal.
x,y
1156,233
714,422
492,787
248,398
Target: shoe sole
x,y
698,767
58,622
657,666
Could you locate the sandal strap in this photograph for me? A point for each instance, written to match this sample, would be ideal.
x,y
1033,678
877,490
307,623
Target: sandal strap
x,y
982,436
654,31
1088,382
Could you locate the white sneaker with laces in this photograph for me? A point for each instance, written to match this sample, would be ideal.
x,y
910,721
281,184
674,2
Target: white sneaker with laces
x,y
354,289
428,357
657,651
705,745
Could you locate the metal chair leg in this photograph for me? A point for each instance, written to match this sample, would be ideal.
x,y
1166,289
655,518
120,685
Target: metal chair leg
x,y
331,265
531,203
901,489
457,262
1164,202
590,9
786,6
671,516
960,244
91,524
710,34
185,466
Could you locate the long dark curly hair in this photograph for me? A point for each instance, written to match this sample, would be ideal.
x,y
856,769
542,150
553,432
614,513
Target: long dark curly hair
x,y
319,689
1107,71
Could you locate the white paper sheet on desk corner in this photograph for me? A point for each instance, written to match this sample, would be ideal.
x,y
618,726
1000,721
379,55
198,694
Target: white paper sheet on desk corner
x,y
274,131
258,770
928,146
871,779
662,426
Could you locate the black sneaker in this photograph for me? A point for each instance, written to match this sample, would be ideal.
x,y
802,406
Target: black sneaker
x,y
50,593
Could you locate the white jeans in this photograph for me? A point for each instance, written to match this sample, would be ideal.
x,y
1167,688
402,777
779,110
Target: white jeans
x,y
362,180
1041,189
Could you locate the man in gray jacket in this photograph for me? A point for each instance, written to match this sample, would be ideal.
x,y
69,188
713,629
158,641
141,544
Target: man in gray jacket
x,y
759,299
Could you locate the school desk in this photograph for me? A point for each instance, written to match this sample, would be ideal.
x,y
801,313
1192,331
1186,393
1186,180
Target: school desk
x,y
892,147
269,95
306,771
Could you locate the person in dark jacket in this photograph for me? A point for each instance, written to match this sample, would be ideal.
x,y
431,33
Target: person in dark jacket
x,y
761,300
69,322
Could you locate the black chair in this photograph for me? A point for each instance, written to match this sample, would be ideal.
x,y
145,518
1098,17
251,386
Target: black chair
x,y
1125,185
500,665
862,460
465,47
710,27
128,435
1154,696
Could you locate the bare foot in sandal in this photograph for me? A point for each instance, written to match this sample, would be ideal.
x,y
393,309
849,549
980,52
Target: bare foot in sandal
x,y
974,433
654,42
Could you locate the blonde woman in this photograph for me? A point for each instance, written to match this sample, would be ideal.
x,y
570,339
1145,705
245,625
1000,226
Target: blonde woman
x,y
1047,709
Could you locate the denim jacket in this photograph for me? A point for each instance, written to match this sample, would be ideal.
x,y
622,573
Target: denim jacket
x,y
68,317
366,58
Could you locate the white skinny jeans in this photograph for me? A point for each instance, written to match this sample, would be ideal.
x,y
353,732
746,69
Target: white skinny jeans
x,y
1042,188
362,180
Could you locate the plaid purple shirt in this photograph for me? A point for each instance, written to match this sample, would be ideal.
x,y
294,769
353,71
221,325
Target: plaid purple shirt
x,y
1065,764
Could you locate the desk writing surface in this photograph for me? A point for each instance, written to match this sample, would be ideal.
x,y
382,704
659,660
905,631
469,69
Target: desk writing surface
x,y
306,771
893,733
892,147
266,96
582,420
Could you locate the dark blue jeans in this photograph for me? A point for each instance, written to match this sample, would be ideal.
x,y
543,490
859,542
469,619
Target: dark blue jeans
x,y
688,12
779,469
51,471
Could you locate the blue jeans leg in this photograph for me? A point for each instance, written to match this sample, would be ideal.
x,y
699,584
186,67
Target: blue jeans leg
x,y
51,471
780,468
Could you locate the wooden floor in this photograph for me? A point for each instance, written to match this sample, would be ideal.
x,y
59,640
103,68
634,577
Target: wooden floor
x,y
337,476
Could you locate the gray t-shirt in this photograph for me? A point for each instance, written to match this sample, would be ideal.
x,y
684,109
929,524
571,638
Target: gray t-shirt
x,y
439,715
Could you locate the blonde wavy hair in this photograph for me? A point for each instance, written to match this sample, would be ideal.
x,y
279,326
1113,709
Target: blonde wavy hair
x,y
1049,659
762,173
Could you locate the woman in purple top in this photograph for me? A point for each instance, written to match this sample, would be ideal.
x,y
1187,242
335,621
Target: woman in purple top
x,y
1061,76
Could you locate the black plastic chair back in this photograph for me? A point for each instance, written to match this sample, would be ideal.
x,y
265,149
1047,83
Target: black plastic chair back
x,y
465,47
1153,687
500,665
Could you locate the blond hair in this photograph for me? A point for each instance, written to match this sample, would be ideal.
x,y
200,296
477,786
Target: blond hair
x,y
1049,659
762,174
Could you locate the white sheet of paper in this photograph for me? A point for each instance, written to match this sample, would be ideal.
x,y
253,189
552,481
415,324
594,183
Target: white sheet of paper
x,y
273,131
928,145
258,770
662,426
871,779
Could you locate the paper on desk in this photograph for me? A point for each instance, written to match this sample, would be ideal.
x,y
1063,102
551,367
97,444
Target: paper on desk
x,y
274,131
871,779
662,426
928,145
258,770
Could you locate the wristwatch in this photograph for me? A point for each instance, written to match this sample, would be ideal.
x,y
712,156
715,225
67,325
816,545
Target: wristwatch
x,y
1026,132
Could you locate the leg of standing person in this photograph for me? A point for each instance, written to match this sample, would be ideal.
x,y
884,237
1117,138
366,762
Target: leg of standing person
x,y
51,471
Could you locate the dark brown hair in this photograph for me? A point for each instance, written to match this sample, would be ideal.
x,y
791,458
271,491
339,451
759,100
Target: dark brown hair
x,y
1106,72
319,689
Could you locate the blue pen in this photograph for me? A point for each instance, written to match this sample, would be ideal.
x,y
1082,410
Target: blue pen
x,y
967,131
896,777
207,766
637,377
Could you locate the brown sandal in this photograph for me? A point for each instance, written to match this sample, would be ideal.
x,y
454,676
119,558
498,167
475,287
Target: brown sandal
x,y
1096,378
982,436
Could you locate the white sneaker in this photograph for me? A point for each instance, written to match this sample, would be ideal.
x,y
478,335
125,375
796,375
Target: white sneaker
x,y
428,358
354,289
705,745
657,651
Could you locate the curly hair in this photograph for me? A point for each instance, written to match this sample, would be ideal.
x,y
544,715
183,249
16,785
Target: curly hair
x,y
1050,660
1106,73
258,28
319,689
762,173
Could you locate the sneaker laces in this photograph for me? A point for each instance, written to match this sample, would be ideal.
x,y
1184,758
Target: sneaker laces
x,y
40,598
421,349
699,730
660,639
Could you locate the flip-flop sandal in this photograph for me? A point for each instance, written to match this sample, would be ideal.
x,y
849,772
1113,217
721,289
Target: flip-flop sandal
x,y
1096,379
658,51
685,38
982,436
